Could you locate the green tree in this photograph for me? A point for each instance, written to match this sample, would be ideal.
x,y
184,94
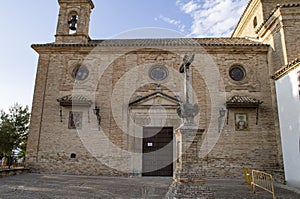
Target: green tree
x,y
14,128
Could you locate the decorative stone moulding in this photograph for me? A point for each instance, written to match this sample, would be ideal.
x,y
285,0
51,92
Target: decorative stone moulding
x,y
286,69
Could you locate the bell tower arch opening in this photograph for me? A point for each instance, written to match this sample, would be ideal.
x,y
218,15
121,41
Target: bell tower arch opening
x,y
73,21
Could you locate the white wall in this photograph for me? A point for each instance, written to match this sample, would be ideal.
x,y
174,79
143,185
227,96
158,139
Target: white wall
x,y
289,118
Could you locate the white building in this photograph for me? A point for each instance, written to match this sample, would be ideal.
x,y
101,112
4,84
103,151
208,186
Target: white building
x,y
288,98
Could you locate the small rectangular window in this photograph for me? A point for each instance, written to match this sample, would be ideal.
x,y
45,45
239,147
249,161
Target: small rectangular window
x,y
254,22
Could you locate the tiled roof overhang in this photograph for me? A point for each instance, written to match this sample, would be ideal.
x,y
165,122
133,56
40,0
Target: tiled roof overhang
x,y
160,42
77,100
243,102
286,69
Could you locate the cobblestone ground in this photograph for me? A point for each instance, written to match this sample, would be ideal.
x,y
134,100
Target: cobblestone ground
x,y
58,186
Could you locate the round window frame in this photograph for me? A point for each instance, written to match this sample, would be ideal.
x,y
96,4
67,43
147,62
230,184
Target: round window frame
x,y
76,69
163,68
239,67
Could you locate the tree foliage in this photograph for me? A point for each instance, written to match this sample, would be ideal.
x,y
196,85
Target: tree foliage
x,y
14,127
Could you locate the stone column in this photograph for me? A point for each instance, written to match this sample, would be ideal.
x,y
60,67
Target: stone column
x,y
188,178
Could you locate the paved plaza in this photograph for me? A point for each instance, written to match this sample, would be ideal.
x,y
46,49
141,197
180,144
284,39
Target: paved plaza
x,y
66,186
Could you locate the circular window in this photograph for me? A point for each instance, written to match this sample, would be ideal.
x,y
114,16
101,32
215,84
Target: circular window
x,y
158,73
80,73
237,73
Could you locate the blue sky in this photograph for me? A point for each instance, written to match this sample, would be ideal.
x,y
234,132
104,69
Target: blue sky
x,y
34,21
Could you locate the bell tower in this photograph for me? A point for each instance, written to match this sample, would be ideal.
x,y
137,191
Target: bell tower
x,y
73,21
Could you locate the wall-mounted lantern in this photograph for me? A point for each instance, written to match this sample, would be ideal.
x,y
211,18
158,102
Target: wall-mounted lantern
x,y
222,112
96,111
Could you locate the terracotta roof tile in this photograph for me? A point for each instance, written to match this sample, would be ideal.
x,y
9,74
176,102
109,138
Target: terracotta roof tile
x,y
74,100
287,68
243,101
162,42
177,42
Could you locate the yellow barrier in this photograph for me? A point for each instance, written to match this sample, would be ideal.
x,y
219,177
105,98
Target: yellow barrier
x,y
262,180
247,175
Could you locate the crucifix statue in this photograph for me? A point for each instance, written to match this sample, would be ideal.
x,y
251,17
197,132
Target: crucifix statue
x,y
189,176
187,111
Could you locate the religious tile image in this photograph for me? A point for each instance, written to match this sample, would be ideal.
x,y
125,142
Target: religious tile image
x,y
75,120
241,121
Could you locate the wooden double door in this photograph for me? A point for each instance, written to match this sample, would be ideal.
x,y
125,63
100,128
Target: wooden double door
x,y
157,151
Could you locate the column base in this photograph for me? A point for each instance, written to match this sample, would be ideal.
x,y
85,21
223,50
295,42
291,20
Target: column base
x,y
189,177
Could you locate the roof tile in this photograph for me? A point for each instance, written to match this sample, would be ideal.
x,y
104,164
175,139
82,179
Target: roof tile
x,y
287,68
242,101
74,100
162,42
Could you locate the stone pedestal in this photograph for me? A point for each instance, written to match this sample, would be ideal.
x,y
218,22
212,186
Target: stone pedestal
x,y
188,179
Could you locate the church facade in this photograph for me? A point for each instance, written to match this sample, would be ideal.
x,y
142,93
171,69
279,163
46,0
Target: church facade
x,y
109,107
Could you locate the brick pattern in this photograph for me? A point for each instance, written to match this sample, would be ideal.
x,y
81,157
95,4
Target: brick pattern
x,y
119,72
279,28
255,148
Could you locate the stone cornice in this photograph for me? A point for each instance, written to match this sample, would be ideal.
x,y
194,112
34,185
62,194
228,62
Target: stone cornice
x,y
272,15
266,20
94,48
214,45
286,69
77,1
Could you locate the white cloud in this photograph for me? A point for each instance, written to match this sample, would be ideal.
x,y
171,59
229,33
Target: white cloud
x,y
212,18
190,7
177,23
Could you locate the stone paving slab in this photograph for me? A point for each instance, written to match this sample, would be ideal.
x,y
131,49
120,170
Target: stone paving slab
x,y
27,186
63,186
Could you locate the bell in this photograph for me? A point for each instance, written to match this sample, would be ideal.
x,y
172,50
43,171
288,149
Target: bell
x,y
73,23
72,27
